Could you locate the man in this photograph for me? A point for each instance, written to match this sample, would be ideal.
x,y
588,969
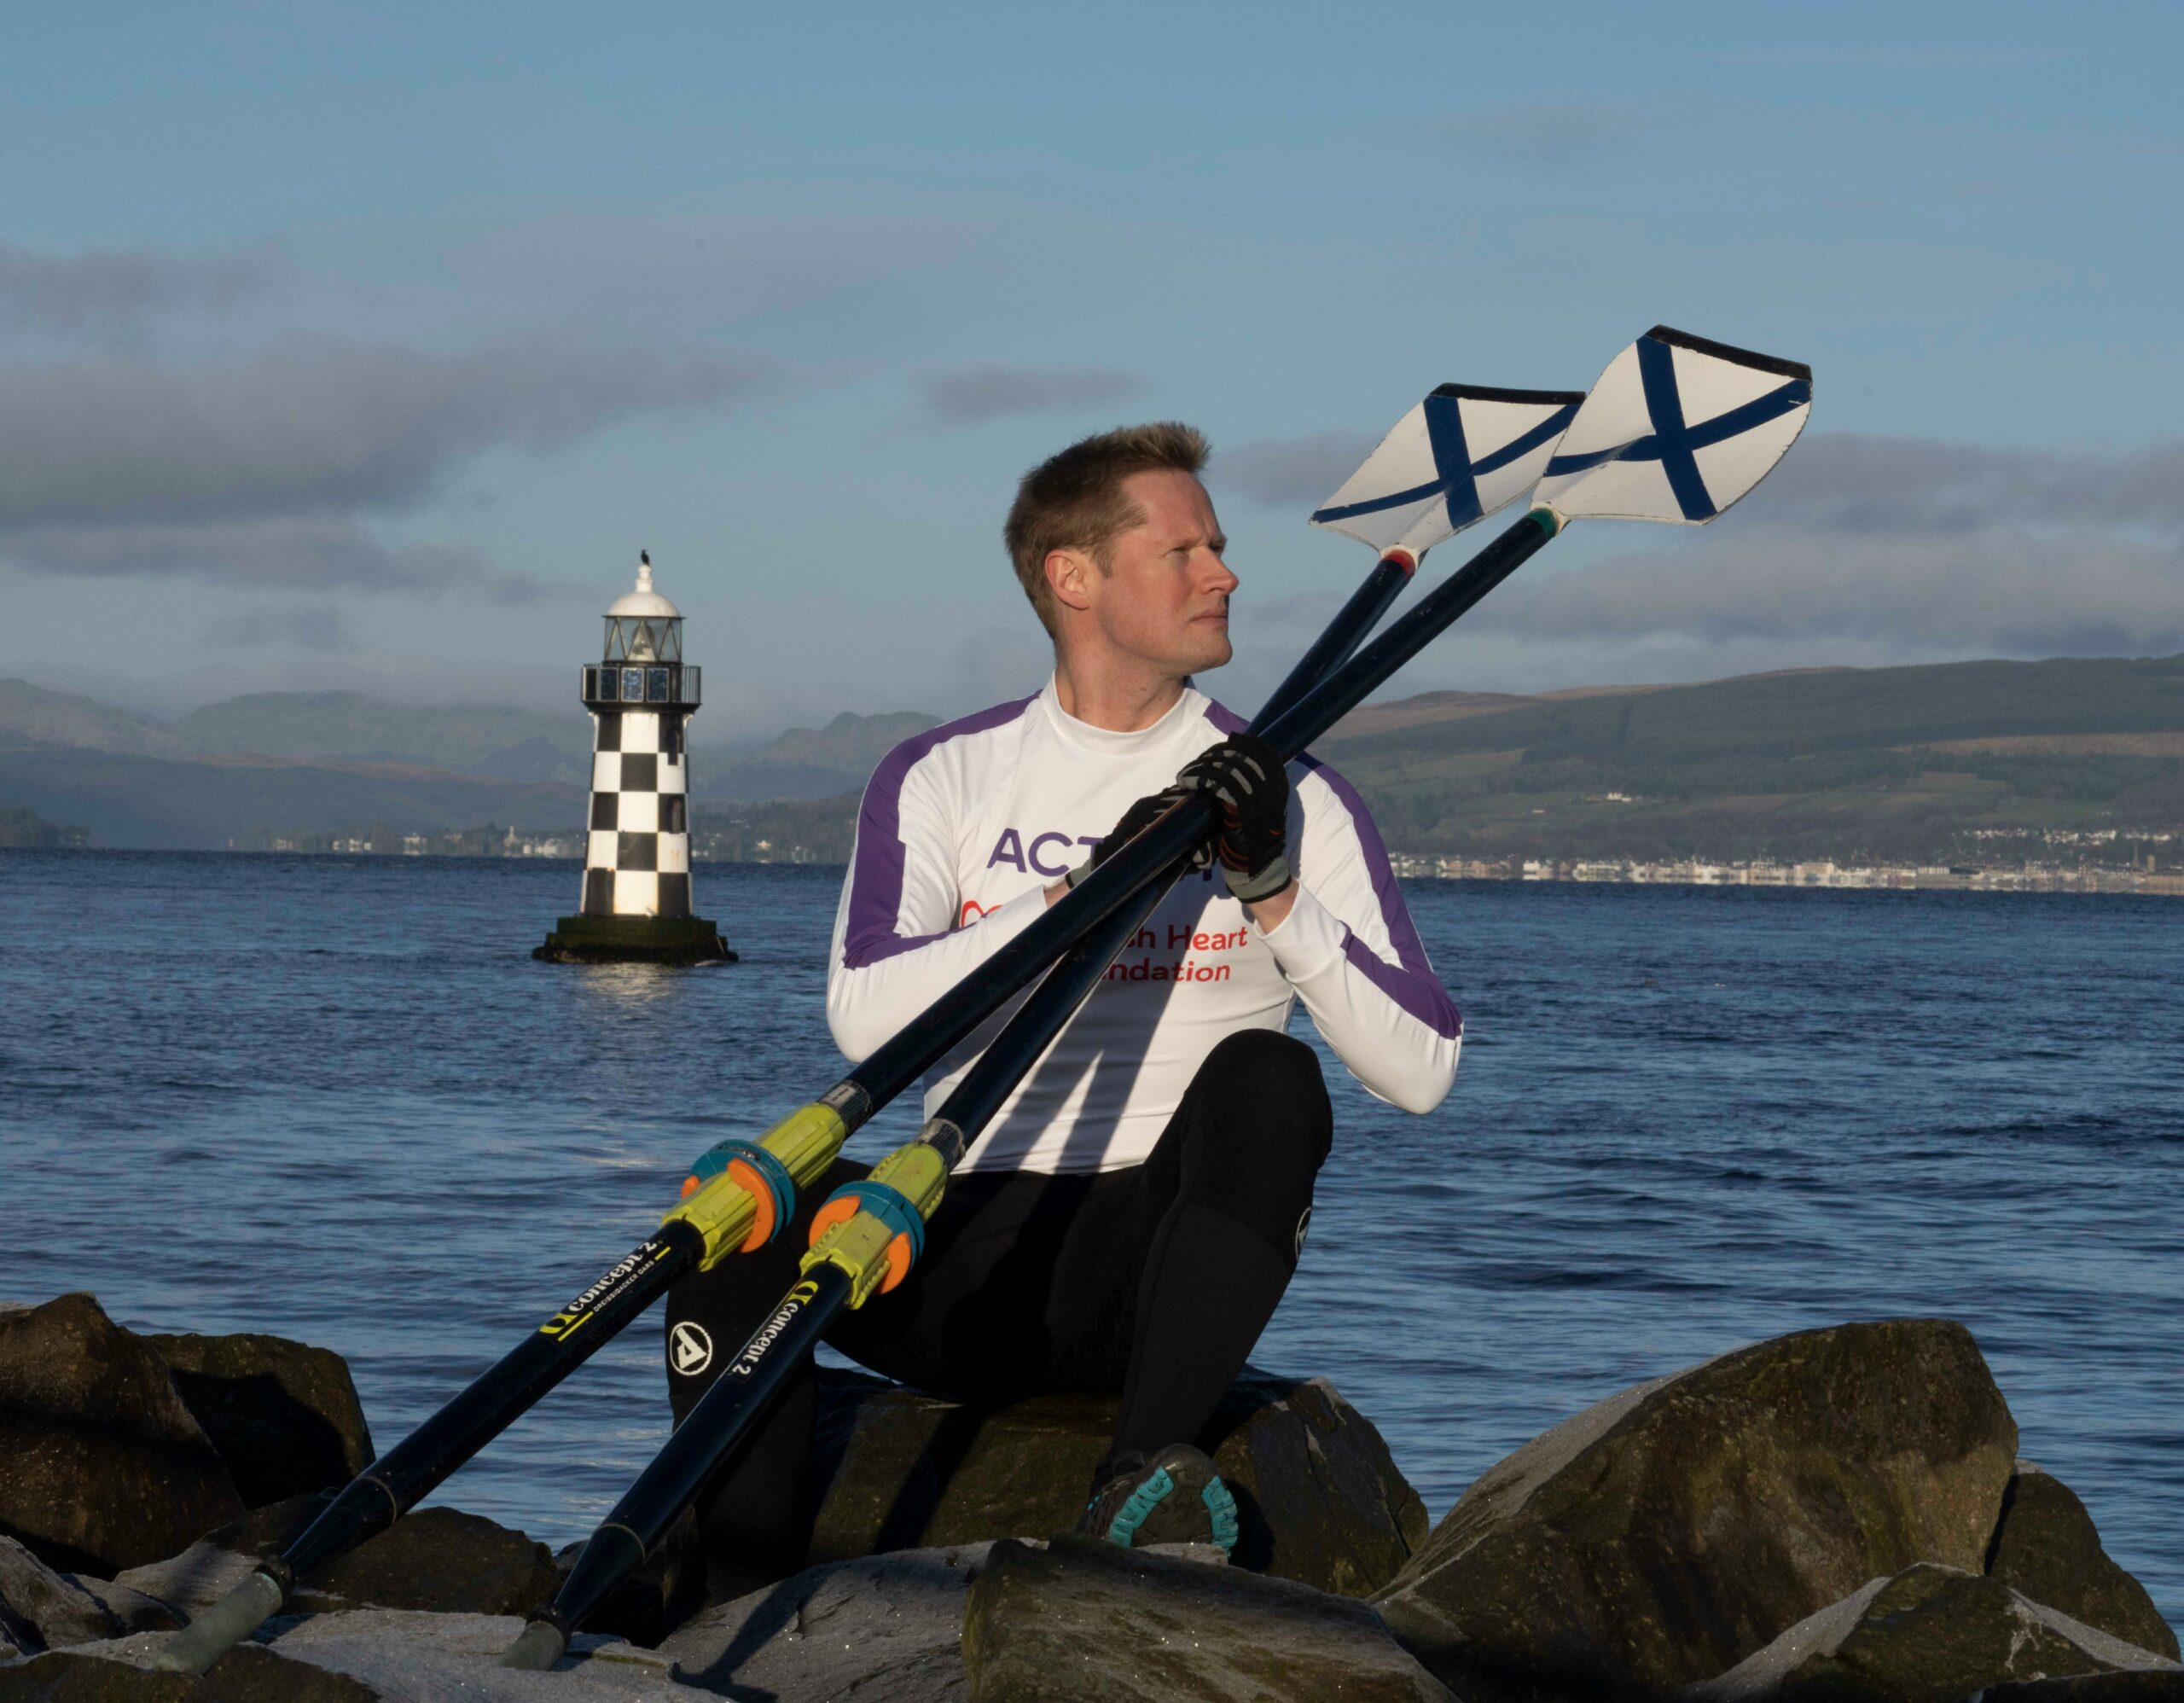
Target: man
x,y
1129,1221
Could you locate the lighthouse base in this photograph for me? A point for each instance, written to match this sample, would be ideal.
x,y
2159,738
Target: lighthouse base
x,y
635,941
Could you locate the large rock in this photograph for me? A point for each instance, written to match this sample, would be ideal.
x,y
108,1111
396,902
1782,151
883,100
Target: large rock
x,y
283,1415
247,1675
438,1558
1930,1635
41,1609
106,1467
2048,1548
1319,1499
216,1563
444,1559
886,1627
1663,1535
1084,1622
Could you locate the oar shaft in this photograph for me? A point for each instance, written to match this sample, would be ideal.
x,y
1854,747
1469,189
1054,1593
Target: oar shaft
x,y
1365,673
497,1398
408,1472
691,1456
1356,618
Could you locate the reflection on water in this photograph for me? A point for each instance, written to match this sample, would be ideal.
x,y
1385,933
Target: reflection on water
x,y
632,984
337,1098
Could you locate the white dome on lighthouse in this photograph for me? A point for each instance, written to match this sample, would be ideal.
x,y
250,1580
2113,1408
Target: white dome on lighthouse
x,y
644,601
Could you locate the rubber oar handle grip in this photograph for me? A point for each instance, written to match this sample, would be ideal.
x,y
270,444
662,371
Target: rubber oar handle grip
x,y
220,1628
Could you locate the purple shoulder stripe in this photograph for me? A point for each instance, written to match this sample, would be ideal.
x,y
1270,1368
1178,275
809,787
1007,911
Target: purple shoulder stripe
x,y
876,875
1411,983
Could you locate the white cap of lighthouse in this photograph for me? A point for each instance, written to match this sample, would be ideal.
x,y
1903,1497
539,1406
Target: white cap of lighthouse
x,y
641,696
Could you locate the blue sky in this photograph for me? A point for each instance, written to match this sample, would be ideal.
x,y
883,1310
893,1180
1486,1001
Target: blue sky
x,y
364,348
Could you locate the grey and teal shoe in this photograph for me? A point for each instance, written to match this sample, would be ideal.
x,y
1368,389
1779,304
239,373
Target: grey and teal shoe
x,y
1172,1497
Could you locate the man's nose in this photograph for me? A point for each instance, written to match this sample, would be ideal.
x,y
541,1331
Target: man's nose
x,y
1221,579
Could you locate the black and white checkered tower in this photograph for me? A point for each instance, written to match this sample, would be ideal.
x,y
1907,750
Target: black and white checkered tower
x,y
636,873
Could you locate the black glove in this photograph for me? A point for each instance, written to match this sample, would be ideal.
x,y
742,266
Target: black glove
x,y
1135,820
1244,773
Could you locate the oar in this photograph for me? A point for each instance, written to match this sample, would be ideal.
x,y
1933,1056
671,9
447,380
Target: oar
x,y
740,1192
869,1234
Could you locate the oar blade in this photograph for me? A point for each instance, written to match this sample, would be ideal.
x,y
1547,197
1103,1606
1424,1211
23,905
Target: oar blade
x,y
1463,452
1677,429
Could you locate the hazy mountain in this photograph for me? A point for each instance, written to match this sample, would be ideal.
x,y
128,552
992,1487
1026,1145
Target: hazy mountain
x,y
32,715
1893,763
1917,763
162,804
807,763
1964,762
349,727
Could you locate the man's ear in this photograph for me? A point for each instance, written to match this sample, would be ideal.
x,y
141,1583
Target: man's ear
x,y
1070,574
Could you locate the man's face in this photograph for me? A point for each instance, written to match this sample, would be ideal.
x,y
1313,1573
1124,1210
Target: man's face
x,y
1165,599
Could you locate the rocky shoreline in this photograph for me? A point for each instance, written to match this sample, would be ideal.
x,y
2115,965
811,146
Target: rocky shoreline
x,y
1831,1515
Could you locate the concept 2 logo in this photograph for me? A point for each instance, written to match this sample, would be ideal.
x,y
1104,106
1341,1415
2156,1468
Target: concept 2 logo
x,y
690,1348
566,1322
769,1333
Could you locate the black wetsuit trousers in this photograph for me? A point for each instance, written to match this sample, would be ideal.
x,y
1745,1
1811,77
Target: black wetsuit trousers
x,y
1152,1282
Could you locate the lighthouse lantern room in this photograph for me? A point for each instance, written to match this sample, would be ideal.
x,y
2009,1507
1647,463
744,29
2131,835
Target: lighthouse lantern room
x,y
637,875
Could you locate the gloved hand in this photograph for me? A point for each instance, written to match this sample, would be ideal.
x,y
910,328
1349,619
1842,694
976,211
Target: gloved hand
x,y
1244,773
1134,821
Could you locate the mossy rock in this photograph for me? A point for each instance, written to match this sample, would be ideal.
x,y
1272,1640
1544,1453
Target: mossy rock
x,y
1319,1498
1661,1536
1930,1635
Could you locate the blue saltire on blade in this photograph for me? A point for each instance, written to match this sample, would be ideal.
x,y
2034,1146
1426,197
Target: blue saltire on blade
x,y
1460,454
1677,429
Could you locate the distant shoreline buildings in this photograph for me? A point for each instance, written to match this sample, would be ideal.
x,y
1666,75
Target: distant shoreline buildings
x,y
2143,875
1697,872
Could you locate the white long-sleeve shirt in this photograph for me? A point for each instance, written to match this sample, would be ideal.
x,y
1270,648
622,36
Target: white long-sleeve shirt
x,y
962,828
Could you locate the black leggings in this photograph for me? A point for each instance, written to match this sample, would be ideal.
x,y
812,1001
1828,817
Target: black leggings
x,y
1152,1282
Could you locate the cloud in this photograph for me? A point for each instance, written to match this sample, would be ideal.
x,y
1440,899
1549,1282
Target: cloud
x,y
1289,472
262,472
1544,136
314,426
317,627
968,395
1846,482
1995,592
298,553
1908,545
111,292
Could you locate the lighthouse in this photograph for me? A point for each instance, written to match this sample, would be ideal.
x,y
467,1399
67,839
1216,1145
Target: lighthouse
x,y
637,867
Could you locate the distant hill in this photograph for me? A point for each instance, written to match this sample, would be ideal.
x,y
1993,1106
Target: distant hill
x,y
1964,762
155,803
805,762
1928,762
488,742
350,727
33,715
325,762
20,829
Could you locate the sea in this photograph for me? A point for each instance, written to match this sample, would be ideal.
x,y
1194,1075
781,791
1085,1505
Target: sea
x,y
336,1099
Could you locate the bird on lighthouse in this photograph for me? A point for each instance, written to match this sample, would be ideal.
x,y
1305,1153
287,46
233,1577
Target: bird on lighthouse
x,y
636,903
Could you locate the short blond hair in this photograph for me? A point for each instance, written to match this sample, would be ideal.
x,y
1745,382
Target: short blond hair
x,y
1075,501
